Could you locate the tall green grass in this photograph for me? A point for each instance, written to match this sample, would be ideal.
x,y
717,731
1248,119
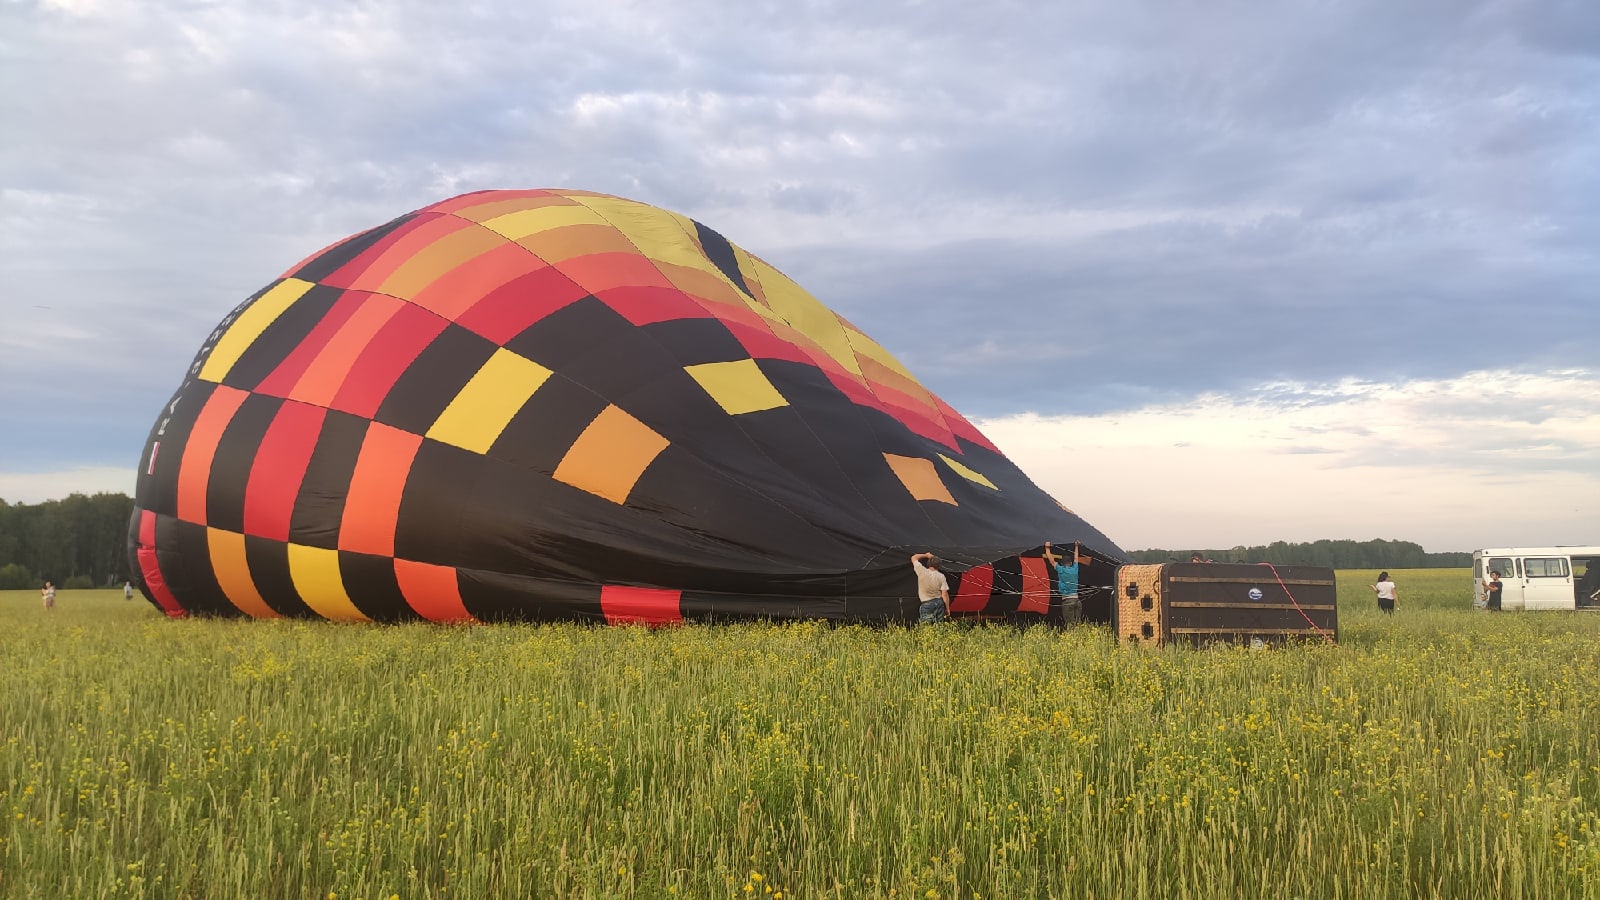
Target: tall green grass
x,y
1438,752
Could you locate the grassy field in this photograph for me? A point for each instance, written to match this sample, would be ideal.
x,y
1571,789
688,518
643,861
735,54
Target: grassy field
x,y
1440,752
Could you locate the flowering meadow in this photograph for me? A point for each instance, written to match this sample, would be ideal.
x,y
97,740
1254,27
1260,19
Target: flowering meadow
x,y
1438,752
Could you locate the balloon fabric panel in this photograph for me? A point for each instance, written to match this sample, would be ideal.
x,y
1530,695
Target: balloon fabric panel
x,y
545,405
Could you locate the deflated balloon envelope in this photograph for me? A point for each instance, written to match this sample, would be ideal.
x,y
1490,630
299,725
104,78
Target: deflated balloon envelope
x,y
553,404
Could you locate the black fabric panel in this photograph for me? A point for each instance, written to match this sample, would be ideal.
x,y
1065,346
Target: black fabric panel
x,y
158,492
498,597
319,506
337,256
691,342
1005,595
589,343
542,432
236,453
717,607
435,501
269,569
434,379
720,252
726,525
200,592
378,593
281,337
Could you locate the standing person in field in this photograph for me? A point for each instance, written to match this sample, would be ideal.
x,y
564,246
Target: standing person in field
x,y
1492,591
1385,590
48,595
127,590
1066,573
933,590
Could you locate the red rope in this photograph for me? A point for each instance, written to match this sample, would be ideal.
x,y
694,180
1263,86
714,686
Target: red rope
x,y
1296,603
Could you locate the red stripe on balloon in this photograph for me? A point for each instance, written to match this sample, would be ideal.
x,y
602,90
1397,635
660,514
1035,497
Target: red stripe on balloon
x,y
432,591
972,593
150,567
1035,586
392,350
640,606
280,466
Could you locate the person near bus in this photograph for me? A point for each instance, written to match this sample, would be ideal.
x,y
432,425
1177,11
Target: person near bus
x,y
1492,591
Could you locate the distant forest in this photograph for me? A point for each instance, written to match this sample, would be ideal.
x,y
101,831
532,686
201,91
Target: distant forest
x,y
77,542
82,542
1374,554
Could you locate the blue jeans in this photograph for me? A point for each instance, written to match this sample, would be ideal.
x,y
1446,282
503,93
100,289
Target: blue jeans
x,y
931,611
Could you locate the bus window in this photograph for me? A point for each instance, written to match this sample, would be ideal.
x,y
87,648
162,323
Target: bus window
x,y
1546,567
1502,564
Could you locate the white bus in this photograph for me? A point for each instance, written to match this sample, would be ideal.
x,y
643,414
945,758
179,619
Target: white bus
x,y
1540,577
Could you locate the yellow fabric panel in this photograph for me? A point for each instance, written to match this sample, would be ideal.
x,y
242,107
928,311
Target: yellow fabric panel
x,y
485,405
483,212
233,573
967,473
871,349
245,329
661,235
555,245
807,315
317,579
738,386
431,262
518,225
747,268
919,477
703,285
608,458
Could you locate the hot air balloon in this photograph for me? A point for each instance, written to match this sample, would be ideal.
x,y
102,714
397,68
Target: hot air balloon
x,y
559,405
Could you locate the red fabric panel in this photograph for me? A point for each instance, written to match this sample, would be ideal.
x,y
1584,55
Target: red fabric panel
x,y
1035,586
369,270
279,467
645,304
478,198
454,291
961,428
432,591
283,378
602,271
200,450
392,350
373,506
150,569
647,606
759,341
972,593
505,312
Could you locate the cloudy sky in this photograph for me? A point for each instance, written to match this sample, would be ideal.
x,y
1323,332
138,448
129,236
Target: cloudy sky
x,y
1213,273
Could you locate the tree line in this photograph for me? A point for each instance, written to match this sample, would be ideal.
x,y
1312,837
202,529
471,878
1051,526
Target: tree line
x,y
82,541
78,542
1342,554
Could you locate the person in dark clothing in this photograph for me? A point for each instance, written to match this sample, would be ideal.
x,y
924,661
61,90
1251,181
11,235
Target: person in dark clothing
x,y
1492,591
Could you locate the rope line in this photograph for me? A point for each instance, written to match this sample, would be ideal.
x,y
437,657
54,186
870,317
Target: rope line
x,y
1303,614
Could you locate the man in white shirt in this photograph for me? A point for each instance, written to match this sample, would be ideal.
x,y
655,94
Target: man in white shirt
x,y
932,589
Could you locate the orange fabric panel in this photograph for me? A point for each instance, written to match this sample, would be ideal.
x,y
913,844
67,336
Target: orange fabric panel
x,y
455,291
418,234
323,378
432,591
560,244
919,477
608,458
430,263
597,272
200,450
376,486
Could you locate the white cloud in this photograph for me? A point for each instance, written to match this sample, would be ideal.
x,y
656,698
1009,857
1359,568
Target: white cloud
x,y
1490,457
37,487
